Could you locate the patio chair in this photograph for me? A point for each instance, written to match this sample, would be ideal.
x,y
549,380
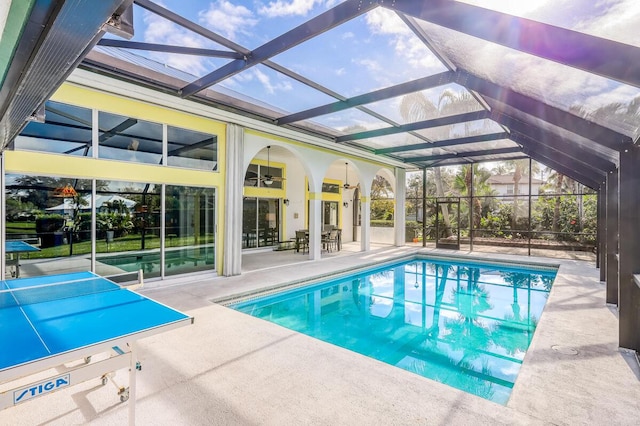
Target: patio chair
x,y
302,241
330,240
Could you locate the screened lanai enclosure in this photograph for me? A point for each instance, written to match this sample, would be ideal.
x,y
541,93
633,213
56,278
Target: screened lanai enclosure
x,y
520,206
516,123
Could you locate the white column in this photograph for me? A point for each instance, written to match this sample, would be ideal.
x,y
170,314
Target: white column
x,y
234,183
399,215
315,225
365,230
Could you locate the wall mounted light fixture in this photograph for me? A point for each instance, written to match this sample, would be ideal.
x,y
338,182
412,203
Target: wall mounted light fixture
x,y
286,201
345,204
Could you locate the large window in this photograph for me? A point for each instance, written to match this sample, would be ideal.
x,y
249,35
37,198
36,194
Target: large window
x,y
66,130
260,175
329,214
128,227
129,139
190,229
191,149
49,221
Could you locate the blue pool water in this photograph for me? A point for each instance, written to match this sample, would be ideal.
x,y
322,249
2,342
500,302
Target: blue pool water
x,y
463,324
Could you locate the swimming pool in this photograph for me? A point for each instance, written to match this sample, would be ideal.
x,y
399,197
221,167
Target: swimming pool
x,y
467,325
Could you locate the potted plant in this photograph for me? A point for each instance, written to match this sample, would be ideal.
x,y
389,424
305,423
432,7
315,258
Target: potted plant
x,y
105,223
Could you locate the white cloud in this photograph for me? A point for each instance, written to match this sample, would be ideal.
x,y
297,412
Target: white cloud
x,y
620,22
553,83
288,8
404,43
340,72
264,80
247,78
369,64
330,3
620,94
228,19
348,35
383,21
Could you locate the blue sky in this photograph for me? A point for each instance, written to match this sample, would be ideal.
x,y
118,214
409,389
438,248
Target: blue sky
x,y
370,52
378,50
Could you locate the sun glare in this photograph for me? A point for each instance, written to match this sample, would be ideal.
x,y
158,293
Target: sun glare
x,y
511,7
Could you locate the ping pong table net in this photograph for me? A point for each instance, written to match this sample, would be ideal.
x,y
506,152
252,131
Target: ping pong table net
x,y
11,296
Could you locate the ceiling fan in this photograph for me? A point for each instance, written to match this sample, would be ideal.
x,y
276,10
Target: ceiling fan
x,y
346,180
268,178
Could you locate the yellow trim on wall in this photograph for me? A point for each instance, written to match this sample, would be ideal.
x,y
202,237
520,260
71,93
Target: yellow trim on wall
x,y
329,196
250,191
38,163
108,102
324,196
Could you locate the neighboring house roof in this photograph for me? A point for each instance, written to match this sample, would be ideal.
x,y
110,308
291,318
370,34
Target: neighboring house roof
x,y
508,179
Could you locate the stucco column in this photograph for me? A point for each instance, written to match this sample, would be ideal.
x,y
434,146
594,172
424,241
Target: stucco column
x,y
234,183
399,209
315,225
365,230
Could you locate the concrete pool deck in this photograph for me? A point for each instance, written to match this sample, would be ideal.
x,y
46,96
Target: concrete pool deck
x,y
230,368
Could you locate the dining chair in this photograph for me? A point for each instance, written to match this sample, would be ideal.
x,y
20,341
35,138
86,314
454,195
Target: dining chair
x,y
302,241
330,240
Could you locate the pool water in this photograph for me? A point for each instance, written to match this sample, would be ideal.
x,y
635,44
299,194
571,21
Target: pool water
x,y
466,325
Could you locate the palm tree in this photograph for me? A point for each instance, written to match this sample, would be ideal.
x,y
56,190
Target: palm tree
x,y
519,167
416,107
481,188
560,187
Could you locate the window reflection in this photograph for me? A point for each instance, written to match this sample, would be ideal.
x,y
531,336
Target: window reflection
x,y
330,188
128,227
66,130
129,139
188,148
261,222
189,229
55,230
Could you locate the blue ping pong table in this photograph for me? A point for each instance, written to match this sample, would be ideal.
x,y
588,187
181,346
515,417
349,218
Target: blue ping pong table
x,y
77,318
14,248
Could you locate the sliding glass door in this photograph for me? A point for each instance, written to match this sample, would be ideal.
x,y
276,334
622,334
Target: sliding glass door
x,y
261,222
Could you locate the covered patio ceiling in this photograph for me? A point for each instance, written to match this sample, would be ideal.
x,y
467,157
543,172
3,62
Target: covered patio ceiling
x,y
427,83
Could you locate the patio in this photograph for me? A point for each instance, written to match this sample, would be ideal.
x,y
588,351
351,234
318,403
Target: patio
x,y
230,368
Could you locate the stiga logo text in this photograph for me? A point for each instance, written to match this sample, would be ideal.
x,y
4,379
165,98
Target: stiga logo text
x,y
37,389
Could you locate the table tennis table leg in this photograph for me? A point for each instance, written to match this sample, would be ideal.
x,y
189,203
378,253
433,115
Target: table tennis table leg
x,y
133,369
